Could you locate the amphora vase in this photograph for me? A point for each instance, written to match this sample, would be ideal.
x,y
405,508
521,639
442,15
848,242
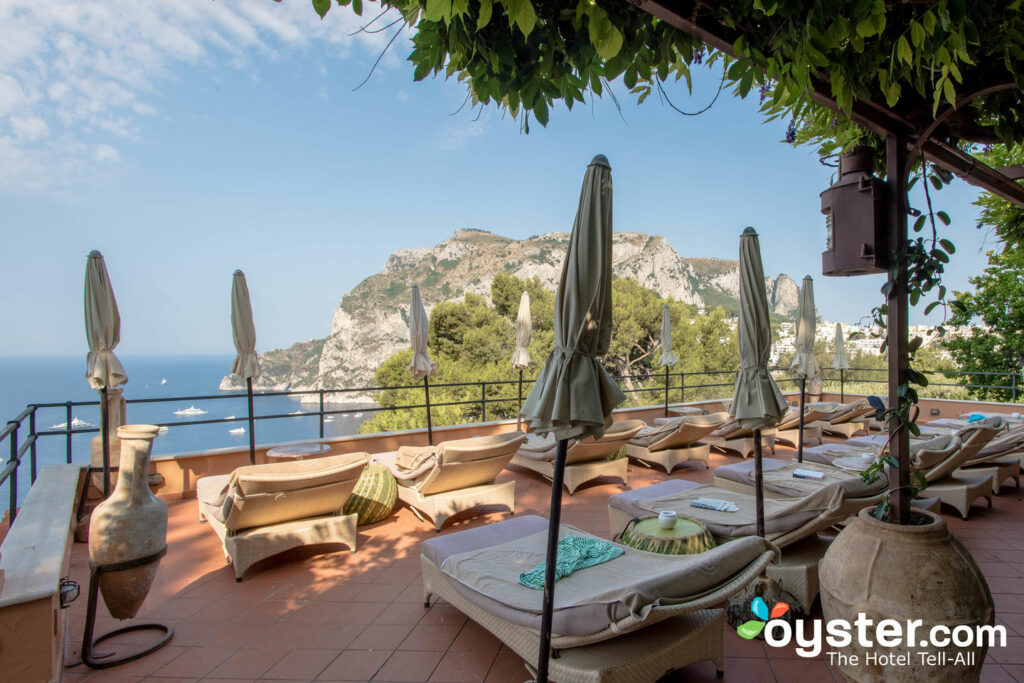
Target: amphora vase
x,y
906,573
130,524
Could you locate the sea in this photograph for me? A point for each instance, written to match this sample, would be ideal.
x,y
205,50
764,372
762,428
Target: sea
x,y
37,380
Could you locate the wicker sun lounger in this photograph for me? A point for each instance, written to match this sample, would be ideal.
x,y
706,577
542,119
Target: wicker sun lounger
x,y
440,481
634,618
673,443
585,460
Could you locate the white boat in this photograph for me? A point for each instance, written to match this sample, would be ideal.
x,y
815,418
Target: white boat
x,y
230,417
191,411
329,418
163,430
237,430
357,415
76,423
297,412
163,381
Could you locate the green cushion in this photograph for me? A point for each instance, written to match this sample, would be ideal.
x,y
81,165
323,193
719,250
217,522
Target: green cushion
x,y
374,496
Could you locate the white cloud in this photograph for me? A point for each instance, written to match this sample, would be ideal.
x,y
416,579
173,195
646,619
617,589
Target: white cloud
x,y
466,126
78,75
105,153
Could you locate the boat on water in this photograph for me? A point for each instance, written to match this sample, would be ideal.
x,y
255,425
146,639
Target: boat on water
x,y
357,415
329,418
237,430
191,411
163,381
163,430
76,423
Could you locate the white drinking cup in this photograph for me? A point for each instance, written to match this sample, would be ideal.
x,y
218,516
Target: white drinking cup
x,y
667,519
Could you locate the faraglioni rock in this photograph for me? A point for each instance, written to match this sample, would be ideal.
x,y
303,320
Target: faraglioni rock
x,y
369,324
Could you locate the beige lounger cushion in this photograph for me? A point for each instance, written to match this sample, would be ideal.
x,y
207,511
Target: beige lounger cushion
x,y
687,431
586,450
782,515
458,464
261,495
781,480
591,600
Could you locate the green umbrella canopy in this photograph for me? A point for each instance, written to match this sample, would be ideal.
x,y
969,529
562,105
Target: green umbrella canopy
x,y
247,364
574,396
102,326
805,366
757,402
840,362
668,358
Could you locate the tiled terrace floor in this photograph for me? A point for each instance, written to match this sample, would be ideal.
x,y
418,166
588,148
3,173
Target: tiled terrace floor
x,y
343,616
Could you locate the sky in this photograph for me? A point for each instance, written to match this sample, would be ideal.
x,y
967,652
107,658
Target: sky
x,y
184,140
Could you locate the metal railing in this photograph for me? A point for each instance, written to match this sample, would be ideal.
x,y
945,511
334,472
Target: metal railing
x,y
670,387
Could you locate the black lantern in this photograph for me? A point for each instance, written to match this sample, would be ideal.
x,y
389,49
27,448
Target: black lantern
x,y
856,240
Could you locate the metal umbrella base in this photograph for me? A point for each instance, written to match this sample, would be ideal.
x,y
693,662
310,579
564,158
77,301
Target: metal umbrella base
x,y
105,660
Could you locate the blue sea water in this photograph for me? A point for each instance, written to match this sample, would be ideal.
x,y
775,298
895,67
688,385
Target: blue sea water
x,y
37,380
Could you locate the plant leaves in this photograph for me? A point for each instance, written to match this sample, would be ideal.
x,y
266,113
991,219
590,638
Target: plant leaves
x,y
322,7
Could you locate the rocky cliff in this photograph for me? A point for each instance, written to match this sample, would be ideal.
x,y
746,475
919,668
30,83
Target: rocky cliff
x,y
370,323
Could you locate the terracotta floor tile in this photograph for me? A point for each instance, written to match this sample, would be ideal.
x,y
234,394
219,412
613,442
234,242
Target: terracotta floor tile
x,y
312,613
250,662
507,667
141,667
355,665
381,637
994,673
196,661
443,613
302,663
1015,670
476,638
466,666
335,637
284,635
734,646
236,634
401,613
1013,653
801,670
754,670
359,613
224,610
431,637
408,666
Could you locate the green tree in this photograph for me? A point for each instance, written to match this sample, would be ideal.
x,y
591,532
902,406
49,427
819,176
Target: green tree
x,y
994,312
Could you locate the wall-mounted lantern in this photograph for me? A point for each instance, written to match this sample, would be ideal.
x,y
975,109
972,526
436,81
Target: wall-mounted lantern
x,y
856,238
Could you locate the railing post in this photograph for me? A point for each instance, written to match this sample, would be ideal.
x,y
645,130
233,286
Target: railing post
x,y
1013,395
69,432
32,448
682,387
321,413
483,401
12,509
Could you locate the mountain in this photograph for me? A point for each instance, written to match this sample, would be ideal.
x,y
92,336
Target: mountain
x,y
371,321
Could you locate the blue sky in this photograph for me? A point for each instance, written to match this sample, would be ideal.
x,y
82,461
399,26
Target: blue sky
x,y
189,139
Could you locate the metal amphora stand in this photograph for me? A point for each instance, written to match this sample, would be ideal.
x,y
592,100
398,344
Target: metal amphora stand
x,y
106,660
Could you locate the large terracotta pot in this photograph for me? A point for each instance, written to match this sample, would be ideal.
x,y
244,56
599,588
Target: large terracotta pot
x,y
130,524
888,571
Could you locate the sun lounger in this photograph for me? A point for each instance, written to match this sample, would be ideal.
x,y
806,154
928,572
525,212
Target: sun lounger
x,y
792,524
672,444
740,440
849,419
437,482
631,619
262,510
815,418
585,460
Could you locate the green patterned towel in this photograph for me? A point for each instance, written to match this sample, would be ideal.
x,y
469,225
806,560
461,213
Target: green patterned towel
x,y
574,553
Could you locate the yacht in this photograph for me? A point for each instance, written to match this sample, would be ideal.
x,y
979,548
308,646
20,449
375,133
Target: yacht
x,y
191,411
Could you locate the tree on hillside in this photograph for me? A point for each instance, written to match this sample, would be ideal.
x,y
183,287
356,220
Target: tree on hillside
x,y
995,313
506,290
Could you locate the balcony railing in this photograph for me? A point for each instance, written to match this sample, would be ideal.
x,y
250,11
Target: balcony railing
x,y
661,388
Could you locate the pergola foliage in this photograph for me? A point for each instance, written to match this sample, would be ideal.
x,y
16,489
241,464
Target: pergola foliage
x,y
958,62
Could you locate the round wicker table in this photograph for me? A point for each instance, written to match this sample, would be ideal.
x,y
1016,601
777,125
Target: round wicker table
x,y
687,537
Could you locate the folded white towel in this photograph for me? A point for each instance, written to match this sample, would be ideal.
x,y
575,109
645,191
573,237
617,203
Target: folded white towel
x,y
809,474
715,504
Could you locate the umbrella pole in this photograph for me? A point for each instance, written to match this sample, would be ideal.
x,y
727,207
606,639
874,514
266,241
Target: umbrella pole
x,y
666,391
800,438
551,559
430,428
758,483
519,409
842,393
252,435
105,438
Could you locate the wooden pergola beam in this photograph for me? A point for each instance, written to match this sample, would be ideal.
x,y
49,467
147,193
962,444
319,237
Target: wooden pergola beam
x,y
871,115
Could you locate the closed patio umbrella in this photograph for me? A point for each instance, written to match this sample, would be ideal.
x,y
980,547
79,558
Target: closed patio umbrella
x,y
103,334
805,366
574,396
757,402
421,366
839,362
247,363
668,357
521,354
